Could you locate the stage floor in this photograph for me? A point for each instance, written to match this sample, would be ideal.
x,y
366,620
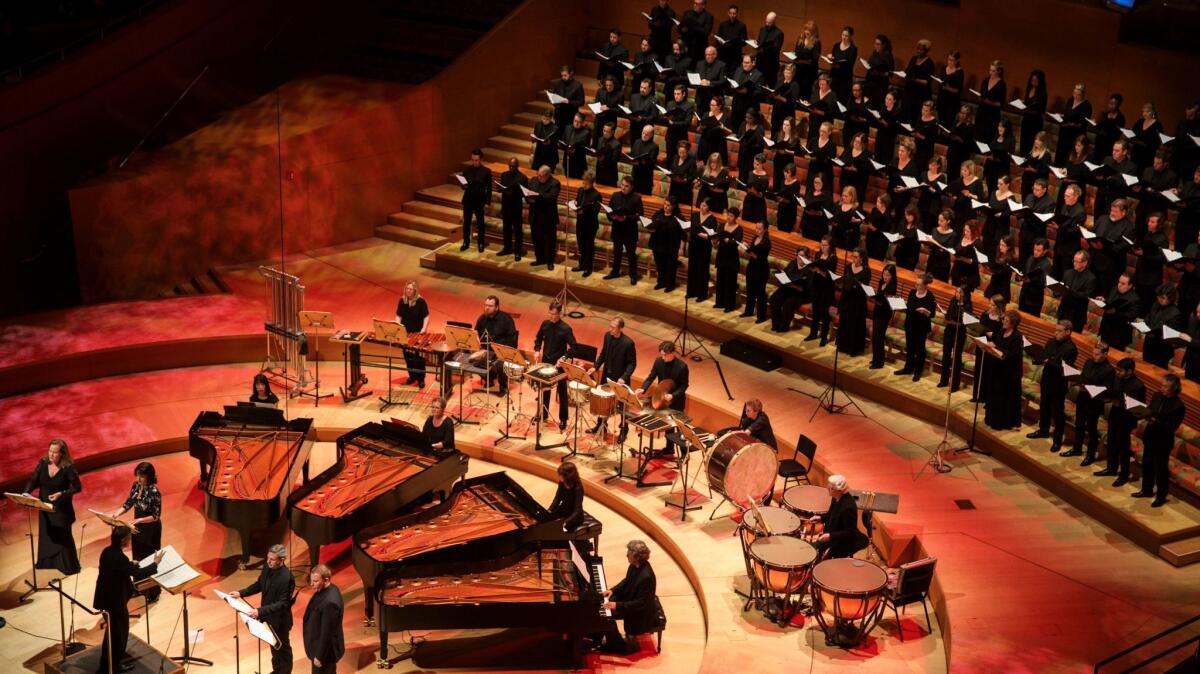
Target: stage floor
x,y
1031,584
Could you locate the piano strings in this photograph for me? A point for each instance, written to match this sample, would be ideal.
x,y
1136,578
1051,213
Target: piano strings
x,y
544,576
472,515
250,466
365,475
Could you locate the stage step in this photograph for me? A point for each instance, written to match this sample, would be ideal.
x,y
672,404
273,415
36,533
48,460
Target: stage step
x,y
527,120
1182,552
411,237
537,105
429,260
446,195
410,221
517,131
510,144
492,154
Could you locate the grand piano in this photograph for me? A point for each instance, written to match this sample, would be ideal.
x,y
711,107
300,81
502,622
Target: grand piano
x,y
549,591
381,469
256,456
485,517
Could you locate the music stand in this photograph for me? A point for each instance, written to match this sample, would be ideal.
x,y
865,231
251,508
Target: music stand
x,y
187,658
466,340
316,320
390,333
31,503
683,501
627,400
578,375
510,354
113,522
351,364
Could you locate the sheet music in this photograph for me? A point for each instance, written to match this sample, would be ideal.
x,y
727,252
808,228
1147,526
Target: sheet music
x,y
173,570
1069,371
260,630
1131,404
1094,391
897,304
235,603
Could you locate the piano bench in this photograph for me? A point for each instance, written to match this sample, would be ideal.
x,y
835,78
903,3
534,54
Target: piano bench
x,y
660,626
588,530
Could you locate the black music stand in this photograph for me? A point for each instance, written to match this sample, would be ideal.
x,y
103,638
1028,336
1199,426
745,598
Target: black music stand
x,y
540,387
691,443
580,376
626,399
316,320
505,355
970,446
187,658
30,503
465,340
390,333
828,399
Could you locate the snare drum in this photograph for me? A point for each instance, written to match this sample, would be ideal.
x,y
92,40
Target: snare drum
x,y
781,567
742,468
806,501
514,371
780,522
847,599
603,402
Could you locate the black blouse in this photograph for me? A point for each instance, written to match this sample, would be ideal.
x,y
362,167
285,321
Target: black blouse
x,y
412,316
146,502
443,434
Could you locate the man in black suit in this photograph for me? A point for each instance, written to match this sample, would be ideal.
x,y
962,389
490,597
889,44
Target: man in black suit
x,y
1088,408
114,587
278,590
1060,350
618,357
1122,422
632,600
668,367
695,26
626,213
543,217
1078,285
1165,415
324,643
571,89
477,194
494,326
554,341
842,537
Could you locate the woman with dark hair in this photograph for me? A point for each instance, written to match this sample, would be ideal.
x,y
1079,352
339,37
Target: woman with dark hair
x,y
949,97
1035,106
57,482
876,226
728,261
751,144
785,144
954,338
881,314
814,221
823,266
1002,394
758,267
1074,120
857,117
568,499
880,65
1155,349
1001,266
993,94
908,247
146,502
941,244
856,165
260,391
683,174
757,182
918,322
714,131
787,199
843,55
887,122
852,305
1108,128
999,154
991,321
699,251
965,269
918,83
666,243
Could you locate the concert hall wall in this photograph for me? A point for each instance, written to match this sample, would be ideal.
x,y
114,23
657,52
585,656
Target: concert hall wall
x,y
1071,41
340,181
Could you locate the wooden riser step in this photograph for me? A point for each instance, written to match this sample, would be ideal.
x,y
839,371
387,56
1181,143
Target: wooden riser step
x,y
439,226
410,236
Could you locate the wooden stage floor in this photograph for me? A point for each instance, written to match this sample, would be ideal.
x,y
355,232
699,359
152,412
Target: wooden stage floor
x,y
1031,584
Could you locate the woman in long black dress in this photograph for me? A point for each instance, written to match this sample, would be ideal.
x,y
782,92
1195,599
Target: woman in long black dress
x,y
949,98
1146,138
999,156
877,225
1191,357
990,322
1036,166
666,242
852,305
712,185
822,108
844,55
751,144
754,203
998,223
787,196
967,190
1075,114
960,144
857,117
1035,106
683,174
728,261
821,155
1004,390
933,186
1108,128
954,338
1155,349
57,483
908,247
847,221
881,314
823,268
758,257
1001,267
965,270
855,163
438,428
925,133
788,297
146,502
880,65
887,125
918,83
699,253
784,150
814,221
413,313
714,131
941,243
918,322
808,51
905,166
783,99
993,94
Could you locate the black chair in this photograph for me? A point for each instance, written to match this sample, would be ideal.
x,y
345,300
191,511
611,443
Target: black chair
x,y
791,469
659,626
912,586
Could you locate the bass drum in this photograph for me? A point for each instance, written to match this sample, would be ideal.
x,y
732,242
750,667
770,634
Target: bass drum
x,y
741,468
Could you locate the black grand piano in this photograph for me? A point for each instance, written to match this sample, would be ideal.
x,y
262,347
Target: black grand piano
x,y
381,469
256,457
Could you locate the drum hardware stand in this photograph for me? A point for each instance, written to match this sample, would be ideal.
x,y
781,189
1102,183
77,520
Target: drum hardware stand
x,y
391,334
681,340
828,399
506,355
578,375
625,398
487,376
316,320
540,418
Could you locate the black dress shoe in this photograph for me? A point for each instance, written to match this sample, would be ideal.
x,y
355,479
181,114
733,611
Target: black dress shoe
x,y
745,314
482,247
760,320
1120,482
1158,502
729,309
609,277
577,269
517,257
902,372
505,251
1073,452
1087,461
659,286
465,246
633,280
1039,433
917,376
550,267
587,273
811,338
943,384
1141,493
1105,473
1055,448
875,366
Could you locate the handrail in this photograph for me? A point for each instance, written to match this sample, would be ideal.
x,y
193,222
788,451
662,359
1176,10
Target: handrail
x,y
1165,653
1144,642
56,585
60,53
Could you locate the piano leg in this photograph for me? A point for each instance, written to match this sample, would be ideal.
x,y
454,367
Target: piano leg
x,y
382,661
369,605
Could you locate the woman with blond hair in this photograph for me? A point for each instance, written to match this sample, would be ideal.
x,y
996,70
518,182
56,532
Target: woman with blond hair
x,y
413,313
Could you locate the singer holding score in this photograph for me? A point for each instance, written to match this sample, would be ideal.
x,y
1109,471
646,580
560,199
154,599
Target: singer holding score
x,y
57,481
114,588
278,588
146,502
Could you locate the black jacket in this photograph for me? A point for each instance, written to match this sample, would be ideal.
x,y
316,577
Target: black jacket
x,y
278,588
619,358
323,638
114,584
760,429
841,523
634,597
568,504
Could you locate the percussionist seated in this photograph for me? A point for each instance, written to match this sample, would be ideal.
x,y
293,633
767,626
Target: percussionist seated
x,y
632,600
842,537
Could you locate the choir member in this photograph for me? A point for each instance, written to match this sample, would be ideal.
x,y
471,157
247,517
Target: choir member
x,y
824,265
1076,171
477,194
990,322
1058,351
857,118
713,132
993,94
571,89
940,244
278,588
783,98
1033,280
1108,127
1078,284
57,482
960,142
610,97
699,251
843,56
905,165
880,65
668,367
727,261
1121,308
770,45
756,182
713,78
1156,349
643,154
574,142
1000,267
1003,392
694,28
1069,220
660,24
499,328
918,85
643,109
842,537
645,64
808,53
1166,413
666,244
814,221
612,54
918,321
543,217
438,428
568,497
632,599
908,248
680,112
324,640
1146,138
1034,101
1148,270
625,214
683,174
887,122
784,154
545,144
1110,244
731,37
999,153
1154,181
852,304
758,253
261,392
1187,224
949,98
965,269
616,362
933,186
608,150
713,184
555,340
114,589
954,338
1088,408
823,106
1189,277
1185,158
821,154
877,224
412,312
924,132
745,95
1191,356
788,297
677,65
587,222
847,221
998,218
1114,185
1036,165
750,143
512,204
1075,114
1038,202
881,314
855,163
1121,422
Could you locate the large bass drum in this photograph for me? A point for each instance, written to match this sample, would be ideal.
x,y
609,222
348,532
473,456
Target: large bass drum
x,y
741,468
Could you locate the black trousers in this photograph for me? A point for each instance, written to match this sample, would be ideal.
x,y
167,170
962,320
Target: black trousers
x,y
952,351
416,367
585,237
1118,449
667,265
546,243
914,351
472,209
784,303
1156,470
1053,414
1086,419
146,542
325,668
627,246
118,627
878,339
513,231
281,658
561,388
756,295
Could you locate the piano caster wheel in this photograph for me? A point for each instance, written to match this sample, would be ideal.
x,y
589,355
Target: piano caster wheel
x,y
382,664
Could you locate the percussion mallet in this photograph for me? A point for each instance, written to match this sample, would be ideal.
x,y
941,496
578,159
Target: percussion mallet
x,y
762,521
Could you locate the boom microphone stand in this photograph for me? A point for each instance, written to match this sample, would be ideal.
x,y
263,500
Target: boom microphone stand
x,y
937,461
681,340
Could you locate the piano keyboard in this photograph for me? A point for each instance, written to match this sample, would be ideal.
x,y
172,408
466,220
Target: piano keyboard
x,y
601,585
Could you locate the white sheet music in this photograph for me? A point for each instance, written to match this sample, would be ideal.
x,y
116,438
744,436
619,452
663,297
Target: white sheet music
x,y
1069,371
1094,391
260,630
173,571
235,603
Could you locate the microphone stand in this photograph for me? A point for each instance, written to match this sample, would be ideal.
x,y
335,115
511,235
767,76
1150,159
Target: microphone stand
x,y
681,340
937,461
565,296
830,392
73,646
970,446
